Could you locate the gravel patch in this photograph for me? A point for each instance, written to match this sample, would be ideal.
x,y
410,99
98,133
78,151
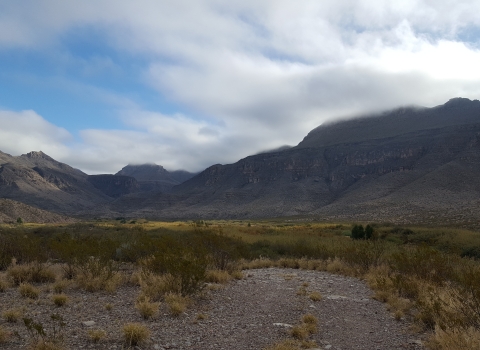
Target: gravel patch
x,y
246,314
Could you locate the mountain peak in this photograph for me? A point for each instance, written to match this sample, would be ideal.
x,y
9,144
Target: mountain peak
x,y
38,155
459,102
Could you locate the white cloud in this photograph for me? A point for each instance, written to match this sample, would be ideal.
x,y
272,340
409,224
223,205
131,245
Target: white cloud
x,y
252,75
25,131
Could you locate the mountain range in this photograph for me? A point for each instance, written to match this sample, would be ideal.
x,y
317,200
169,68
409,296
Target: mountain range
x,y
408,165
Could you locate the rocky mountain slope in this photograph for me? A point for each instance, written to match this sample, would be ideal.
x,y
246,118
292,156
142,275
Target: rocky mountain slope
x,y
38,180
407,165
10,211
153,177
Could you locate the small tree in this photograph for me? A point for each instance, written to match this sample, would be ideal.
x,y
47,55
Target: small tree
x,y
358,232
19,221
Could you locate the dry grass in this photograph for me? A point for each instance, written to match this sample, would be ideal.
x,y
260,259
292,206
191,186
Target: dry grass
x,y
96,335
3,285
146,308
108,307
135,333
4,335
101,283
33,272
26,290
299,332
177,304
310,319
61,286
237,274
257,264
315,296
217,276
340,267
157,286
46,345
12,315
454,340
59,299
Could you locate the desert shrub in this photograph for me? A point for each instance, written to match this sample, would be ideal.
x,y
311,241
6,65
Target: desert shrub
x,y
43,340
22,246
12,315
217,276
59,299
4,335
34,272
177,303
98,274
315,296
451,339
3,285
423,262
183,259
299,332
95,335
237,274
135,333
41,273
223,251
465,294
26,290
61,286
138,246
90,255
18,274
146,308
156,286
363,254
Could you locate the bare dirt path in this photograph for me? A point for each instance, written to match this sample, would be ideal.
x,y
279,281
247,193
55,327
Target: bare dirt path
x,y
243,315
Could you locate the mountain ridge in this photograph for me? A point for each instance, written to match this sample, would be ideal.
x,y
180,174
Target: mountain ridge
x,y
410,164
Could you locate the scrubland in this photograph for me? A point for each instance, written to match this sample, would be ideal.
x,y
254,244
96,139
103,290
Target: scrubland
x,y
429,276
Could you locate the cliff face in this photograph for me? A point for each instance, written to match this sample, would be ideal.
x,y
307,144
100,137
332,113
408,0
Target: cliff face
x,y
155,178
114,185
408,165
355,173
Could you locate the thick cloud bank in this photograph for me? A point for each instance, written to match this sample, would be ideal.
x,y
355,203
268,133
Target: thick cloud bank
x,y
245,75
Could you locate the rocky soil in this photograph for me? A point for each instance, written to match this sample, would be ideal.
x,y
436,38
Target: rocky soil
x,y
252,313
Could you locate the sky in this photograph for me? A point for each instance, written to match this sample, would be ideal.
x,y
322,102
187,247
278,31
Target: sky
x,y
99,84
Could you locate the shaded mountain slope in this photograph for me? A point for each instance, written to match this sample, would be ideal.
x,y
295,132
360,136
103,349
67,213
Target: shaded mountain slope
x,y
155,178
424,167
11,210
40,181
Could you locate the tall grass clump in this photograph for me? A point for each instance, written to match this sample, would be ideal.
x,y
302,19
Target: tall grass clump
x,y
135,334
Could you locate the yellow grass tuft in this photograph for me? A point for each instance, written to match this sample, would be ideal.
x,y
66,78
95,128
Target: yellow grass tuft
x,y
95,335
217,276
177,304
146,308
315,296
26,290
59,299
135,333
12,315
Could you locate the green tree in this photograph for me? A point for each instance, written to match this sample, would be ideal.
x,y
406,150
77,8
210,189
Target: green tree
x,y
358,232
